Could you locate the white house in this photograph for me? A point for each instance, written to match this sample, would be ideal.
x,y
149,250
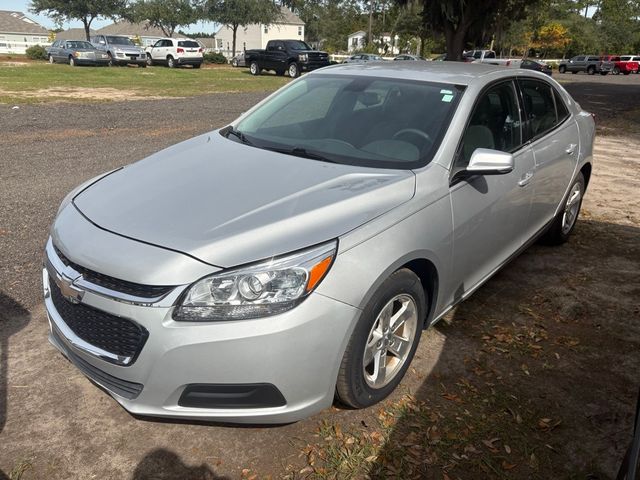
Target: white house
x,y
386,44
18,32
289,27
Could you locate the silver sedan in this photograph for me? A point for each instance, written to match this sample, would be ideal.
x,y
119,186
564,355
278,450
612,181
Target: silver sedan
x,y
253,273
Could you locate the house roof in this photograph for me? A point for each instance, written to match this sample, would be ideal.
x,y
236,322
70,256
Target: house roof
x,y
359,33
131,29
289,17
74,34
18,22
206,42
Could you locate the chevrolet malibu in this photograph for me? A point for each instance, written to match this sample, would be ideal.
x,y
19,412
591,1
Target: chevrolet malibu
x,y
257,272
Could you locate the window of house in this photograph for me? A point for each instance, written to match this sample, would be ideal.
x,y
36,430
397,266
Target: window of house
x,y
266,29
299,30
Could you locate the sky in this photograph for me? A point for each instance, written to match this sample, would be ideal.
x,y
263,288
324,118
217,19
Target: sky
x,y
24,5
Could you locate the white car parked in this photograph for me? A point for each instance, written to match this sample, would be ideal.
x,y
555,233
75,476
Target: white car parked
x,y
175,52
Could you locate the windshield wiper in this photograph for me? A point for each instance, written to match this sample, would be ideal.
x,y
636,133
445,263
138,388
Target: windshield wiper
x,y
301,152
237,133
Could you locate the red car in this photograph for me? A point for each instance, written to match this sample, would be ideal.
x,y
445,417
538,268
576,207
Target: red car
x,y
621,64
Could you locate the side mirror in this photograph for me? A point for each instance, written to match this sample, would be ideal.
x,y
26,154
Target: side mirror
x,y
485,161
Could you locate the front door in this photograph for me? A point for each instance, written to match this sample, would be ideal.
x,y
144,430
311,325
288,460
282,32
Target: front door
x,y
490,212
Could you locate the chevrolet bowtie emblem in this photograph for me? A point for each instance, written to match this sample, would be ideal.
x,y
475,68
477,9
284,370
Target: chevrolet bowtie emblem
x,y
68,289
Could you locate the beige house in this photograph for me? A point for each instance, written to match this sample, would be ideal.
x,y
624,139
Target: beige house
x,y
290,27
18,32
74,34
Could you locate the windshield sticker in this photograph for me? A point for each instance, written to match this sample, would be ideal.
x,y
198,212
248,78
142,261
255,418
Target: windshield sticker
x,y
447,95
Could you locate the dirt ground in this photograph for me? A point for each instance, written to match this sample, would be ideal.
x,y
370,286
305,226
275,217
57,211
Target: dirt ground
x,y
535,376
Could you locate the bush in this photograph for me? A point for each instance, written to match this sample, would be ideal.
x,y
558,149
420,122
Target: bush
x,y
211,57
37,52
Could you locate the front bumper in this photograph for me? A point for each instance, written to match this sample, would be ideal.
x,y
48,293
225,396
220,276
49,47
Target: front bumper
x,y
298,352
309,66
124,59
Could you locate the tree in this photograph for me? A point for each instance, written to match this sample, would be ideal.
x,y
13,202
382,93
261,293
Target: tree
x,y
241,13
469,21
553,37
84,10
167,15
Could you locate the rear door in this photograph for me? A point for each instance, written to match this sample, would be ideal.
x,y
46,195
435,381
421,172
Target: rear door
x,y
554,138
490,212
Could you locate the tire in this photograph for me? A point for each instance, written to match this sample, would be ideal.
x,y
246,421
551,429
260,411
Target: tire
x,y
562,69
171,63
293,70
565,221
234,63
356,384
616,71
111,62
149,60
51,60
591,70
72,61
254,68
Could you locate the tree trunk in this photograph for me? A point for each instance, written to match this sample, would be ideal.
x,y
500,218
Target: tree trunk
x,y
234,28
370,36
455,41
87,28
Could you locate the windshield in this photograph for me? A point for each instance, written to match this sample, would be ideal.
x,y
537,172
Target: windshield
x,y
297,45
120,41
78,44
356,120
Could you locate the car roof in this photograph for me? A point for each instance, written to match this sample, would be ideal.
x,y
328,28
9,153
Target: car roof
x,y
458,73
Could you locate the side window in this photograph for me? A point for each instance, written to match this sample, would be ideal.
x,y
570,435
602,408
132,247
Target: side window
x,y
539,106
490,55
168,43
494,124
561,109
579,59
157,44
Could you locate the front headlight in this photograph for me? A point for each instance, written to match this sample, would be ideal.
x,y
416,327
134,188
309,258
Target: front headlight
x,y
303,57
260,290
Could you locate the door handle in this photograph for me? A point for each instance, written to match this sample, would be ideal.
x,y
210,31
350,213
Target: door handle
x,y
571,148
524,181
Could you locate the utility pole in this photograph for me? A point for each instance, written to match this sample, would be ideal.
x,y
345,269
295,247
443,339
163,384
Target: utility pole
x,y
370,37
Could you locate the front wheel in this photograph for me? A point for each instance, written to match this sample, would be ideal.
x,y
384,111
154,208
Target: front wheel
x,y
254,68
383,342
149,60
616,71
234,63
562,68
111,62
591,70
50,59
565,220
72,61
294,70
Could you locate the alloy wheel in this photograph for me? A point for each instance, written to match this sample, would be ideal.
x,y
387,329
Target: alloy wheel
x,y
571,208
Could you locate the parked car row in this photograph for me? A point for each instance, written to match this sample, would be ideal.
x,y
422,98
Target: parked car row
x,y
115,50
592,64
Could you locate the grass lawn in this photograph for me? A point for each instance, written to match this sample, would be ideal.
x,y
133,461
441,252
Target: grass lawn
x,y
41,82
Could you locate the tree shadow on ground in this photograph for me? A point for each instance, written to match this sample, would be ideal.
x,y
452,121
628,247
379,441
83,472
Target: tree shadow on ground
x,y
161,464
537,377
13,318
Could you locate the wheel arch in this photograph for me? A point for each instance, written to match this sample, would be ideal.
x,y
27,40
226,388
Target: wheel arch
x,y
427,272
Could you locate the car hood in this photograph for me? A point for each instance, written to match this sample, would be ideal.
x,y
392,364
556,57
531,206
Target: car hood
x,y
227,203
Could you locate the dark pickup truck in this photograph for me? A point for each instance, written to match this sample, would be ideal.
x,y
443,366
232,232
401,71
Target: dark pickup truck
x,y
292,56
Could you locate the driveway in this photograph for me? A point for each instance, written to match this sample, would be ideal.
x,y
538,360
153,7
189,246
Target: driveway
x,y
542,357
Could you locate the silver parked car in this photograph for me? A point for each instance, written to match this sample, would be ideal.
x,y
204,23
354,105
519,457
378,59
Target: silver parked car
x,y
120,50
363,58
75,52
251,273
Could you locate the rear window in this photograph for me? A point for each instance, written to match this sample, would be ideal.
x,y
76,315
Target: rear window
x,y
188,44
625,59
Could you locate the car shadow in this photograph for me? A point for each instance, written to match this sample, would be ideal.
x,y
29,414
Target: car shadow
x,y
161,464
537,371
13,318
